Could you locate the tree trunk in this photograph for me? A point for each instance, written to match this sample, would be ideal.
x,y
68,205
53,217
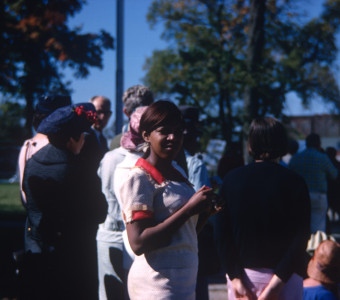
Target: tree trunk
x,y
254,57
29,115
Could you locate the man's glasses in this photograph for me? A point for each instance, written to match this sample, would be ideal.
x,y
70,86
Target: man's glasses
x,y
104,112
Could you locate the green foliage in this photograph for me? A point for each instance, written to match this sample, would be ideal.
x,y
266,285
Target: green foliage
x,y
207,61
11,114
37,45
10,203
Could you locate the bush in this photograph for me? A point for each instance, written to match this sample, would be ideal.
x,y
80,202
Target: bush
x,y
10,203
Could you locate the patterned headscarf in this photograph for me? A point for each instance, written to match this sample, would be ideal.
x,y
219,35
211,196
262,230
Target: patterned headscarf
x,y
131,139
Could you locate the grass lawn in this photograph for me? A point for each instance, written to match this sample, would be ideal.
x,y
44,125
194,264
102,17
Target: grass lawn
x,y
12,220
10,203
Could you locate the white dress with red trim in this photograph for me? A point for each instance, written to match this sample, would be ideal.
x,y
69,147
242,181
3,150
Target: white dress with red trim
x,y
169,272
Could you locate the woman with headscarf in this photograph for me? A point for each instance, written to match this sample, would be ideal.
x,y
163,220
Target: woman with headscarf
x,y
114,256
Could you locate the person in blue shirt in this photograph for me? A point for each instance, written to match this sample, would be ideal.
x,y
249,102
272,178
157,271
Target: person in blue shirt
x,y
316,168
323,273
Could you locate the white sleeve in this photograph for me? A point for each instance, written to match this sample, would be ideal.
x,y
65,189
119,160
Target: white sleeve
x,y
136,194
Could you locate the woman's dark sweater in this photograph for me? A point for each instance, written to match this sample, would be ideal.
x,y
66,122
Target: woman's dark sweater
x,y
267,217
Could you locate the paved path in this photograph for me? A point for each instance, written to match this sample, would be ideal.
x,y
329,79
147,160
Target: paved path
x,y
218,291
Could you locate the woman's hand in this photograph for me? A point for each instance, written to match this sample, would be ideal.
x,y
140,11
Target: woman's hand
x,y
216,203
272,290
201,201
241,291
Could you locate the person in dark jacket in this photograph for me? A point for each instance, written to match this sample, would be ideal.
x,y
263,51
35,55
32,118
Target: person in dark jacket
x,y
267,211
45,106
62,211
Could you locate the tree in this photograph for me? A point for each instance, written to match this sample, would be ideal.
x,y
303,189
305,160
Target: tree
x,y
10,119
254,56
198,69
222,53
37,45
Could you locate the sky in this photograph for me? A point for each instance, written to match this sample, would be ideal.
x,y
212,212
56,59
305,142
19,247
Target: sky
x,y
139,43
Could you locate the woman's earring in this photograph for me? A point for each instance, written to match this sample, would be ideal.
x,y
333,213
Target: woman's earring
x,y
144,147
147,146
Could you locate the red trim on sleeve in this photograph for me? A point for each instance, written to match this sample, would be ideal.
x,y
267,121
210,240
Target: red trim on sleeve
x,y
141,214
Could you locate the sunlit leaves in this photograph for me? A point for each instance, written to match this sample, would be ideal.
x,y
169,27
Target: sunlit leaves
x,y
206,63
37,44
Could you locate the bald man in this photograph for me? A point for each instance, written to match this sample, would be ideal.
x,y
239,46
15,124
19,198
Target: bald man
x,y
103,108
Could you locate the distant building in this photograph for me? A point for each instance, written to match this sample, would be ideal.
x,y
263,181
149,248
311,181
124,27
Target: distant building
x,y
327,126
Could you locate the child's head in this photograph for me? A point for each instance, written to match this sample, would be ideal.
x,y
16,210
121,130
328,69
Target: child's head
x,y
325,264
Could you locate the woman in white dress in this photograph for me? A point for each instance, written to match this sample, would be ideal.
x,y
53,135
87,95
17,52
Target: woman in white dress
x,y
161,211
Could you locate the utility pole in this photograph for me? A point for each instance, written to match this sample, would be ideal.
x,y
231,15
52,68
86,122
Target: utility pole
x,y
120,67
